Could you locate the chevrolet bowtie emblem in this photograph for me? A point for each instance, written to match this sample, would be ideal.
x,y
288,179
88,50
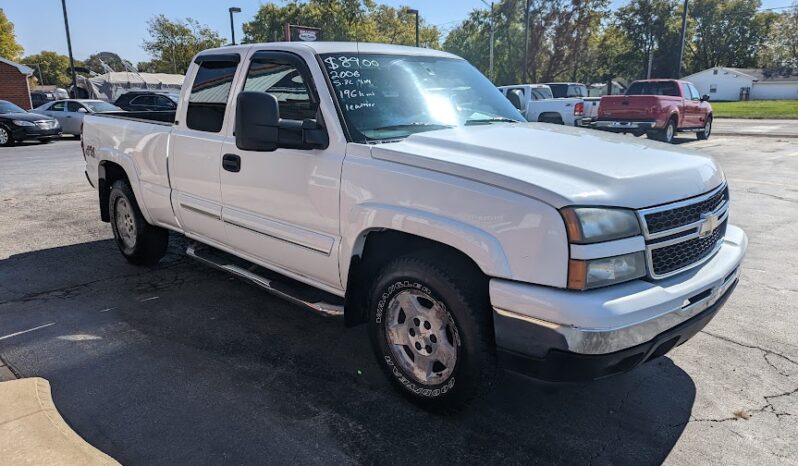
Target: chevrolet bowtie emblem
x,y
708,226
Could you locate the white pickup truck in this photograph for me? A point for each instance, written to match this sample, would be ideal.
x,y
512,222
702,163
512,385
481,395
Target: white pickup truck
x,y
537,103
397,187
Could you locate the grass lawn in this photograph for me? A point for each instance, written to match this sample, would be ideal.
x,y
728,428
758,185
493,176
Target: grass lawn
x,y
778,109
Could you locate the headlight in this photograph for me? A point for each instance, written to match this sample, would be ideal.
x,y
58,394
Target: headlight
x,y
594,273
56,124
595,224
23,123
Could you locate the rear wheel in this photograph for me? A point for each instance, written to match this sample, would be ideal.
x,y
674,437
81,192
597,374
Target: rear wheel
x,y
703,135
140,242
666,134
5,137
431,331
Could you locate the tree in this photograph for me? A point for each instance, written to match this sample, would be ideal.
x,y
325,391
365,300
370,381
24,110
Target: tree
x,y
95,61
173,43
653,30
726,33
9,48
341,20
780,49
54,68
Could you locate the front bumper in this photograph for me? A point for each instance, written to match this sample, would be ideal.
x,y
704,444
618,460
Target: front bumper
x,y
34,132
623,126
556,332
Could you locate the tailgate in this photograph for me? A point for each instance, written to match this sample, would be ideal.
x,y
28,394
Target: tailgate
x,y
632,107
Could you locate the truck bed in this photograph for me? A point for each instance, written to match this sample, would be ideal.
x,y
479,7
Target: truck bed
x,y
161,117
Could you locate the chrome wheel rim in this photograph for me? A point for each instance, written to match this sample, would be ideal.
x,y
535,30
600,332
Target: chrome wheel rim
x,y
3,136
669,132
707,128
125,223
422,337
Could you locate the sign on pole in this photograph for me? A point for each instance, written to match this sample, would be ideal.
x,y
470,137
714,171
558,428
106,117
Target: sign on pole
x,y
296,33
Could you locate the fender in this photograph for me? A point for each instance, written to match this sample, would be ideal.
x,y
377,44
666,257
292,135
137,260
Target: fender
x,y
105,154
484,249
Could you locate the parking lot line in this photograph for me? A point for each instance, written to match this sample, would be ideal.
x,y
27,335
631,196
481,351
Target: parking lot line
x,y
10,335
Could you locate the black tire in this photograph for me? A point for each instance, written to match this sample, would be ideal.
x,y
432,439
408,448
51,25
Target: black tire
x,y
667,134
140,242
554,120
706,132
45,141
8,139
469,328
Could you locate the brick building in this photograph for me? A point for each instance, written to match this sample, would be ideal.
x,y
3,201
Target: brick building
x,y
14,83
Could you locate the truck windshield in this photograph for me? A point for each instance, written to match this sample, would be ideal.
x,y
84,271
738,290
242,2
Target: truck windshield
x,y
393,96
653,88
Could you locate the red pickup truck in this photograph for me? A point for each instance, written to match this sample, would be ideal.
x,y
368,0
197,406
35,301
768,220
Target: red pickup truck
x,y
657,107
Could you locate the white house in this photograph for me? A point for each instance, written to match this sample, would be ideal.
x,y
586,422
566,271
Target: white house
x,y
722,83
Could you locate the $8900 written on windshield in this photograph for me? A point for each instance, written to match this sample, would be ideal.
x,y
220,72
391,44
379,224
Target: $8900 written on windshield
x,y
387,97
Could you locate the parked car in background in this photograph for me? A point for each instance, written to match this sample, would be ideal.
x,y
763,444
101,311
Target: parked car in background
x,y
70,112
537,103
659,108
396,187
17,124
141,101
39,98
580,91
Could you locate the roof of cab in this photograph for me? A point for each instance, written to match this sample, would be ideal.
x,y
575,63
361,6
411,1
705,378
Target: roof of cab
x,y
335,47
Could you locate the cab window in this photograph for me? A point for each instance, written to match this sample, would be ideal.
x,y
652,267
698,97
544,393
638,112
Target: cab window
x,y
286,83
208,100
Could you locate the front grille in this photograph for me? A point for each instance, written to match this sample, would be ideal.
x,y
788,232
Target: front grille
x,y
678,256
673,232
45,124
680,216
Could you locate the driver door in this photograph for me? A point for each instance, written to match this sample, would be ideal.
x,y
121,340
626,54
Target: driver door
x,y
281,208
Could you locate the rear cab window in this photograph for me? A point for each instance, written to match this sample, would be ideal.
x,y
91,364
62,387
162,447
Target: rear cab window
x,y
210,90
665,88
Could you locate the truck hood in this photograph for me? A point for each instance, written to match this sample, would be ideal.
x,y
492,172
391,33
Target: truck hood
x,y
560,165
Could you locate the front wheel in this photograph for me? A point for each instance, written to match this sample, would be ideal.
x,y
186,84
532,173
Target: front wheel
x,y
703,135
5,137
140,242
432,332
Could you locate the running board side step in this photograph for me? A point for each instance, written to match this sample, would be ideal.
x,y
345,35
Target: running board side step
x,y
289,289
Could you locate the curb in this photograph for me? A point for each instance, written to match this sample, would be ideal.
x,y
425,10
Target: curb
x,y
715,132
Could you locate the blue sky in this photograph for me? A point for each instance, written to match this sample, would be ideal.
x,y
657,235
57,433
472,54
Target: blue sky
x,y
121,25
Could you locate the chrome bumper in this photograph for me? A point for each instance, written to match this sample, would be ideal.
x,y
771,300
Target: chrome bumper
x,y
532,320
624,125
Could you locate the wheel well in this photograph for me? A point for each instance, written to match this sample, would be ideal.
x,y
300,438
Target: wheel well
x,y
108,173
378,247
549,116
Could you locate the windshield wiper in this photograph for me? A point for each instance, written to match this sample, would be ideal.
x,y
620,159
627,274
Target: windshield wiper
x,y
417,124
480,121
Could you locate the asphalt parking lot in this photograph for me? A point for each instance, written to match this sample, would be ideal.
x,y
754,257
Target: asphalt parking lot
x,y
182,364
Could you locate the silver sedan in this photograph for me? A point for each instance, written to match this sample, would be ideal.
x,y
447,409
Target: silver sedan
x,y
70,112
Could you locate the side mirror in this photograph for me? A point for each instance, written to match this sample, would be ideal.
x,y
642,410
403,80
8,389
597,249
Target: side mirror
x,y
705,98
515,97
82,110
258,126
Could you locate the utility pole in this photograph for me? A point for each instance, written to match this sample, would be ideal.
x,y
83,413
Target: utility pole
x,y
233,9
492,21
414,12
526,40
69,47
684,32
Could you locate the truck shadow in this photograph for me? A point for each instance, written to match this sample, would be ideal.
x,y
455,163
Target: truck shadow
x,y
181,364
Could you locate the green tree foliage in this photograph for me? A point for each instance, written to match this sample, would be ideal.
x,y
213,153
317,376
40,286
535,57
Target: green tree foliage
x,y
9,48
173,43
54,68
560,34
341,20
780,50
95,61
726,33
582,40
